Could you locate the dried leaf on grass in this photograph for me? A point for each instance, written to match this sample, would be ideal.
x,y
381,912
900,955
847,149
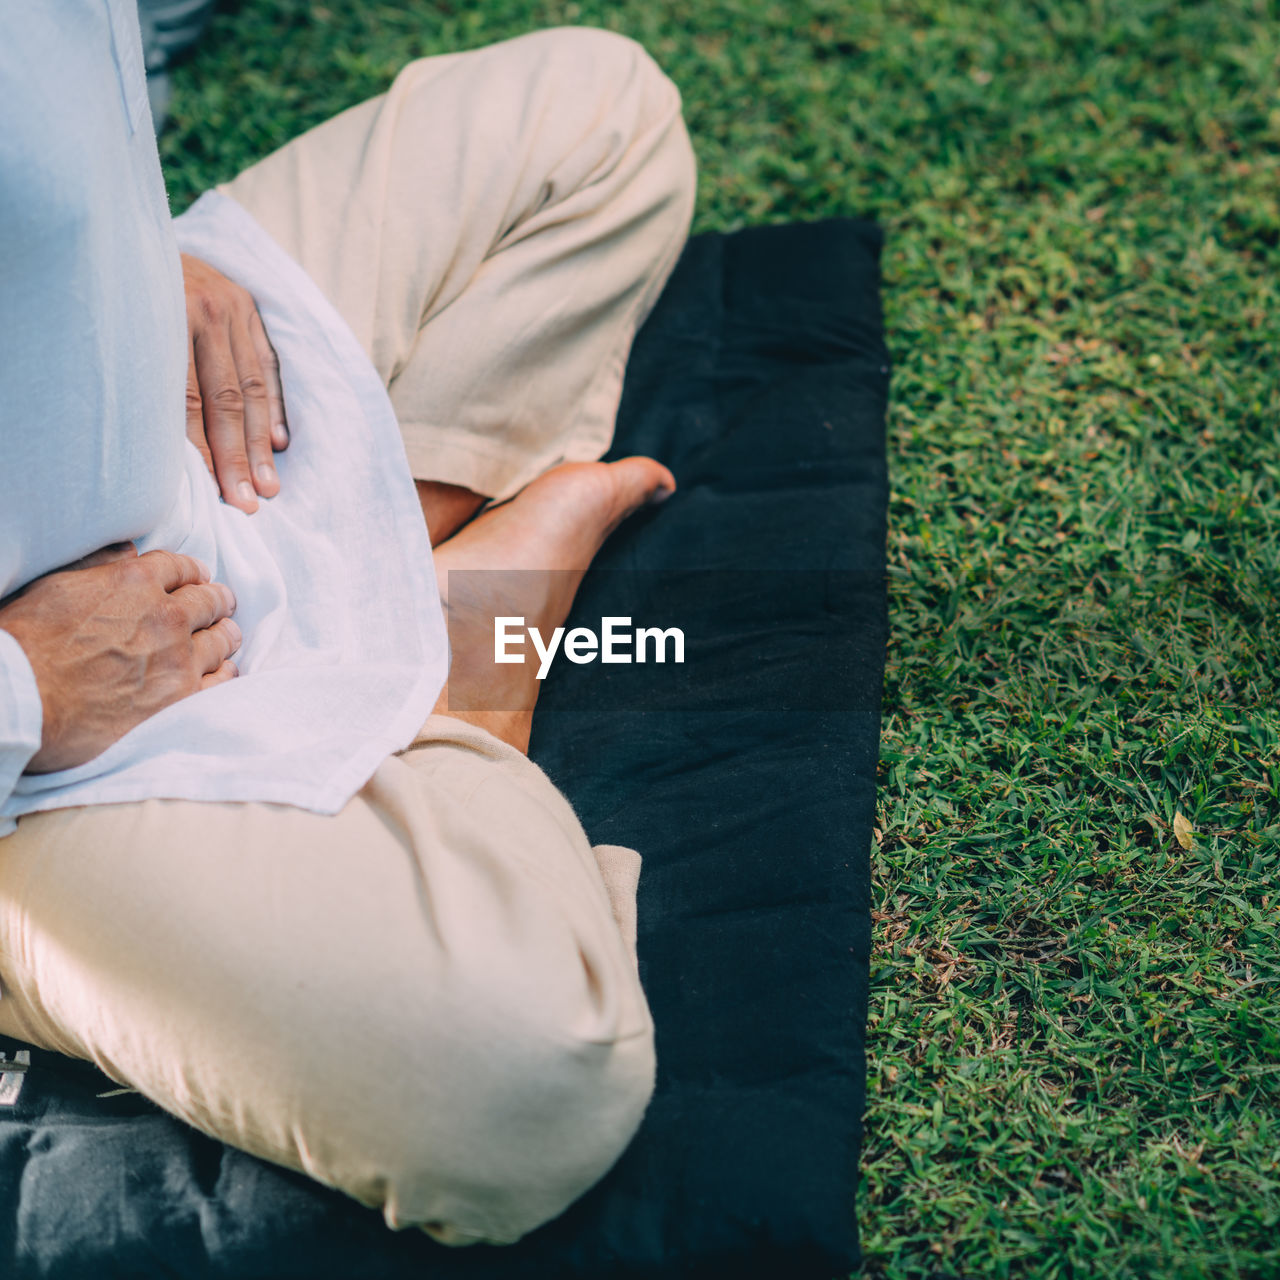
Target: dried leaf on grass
x,y
1183,832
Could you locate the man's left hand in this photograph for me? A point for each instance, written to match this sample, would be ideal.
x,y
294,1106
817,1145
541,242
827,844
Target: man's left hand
x,y
235,406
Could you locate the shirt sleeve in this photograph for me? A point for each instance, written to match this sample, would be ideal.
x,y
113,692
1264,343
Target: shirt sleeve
x,y
21,719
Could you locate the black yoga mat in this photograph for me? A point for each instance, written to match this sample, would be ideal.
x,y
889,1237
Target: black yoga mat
x,y
744,776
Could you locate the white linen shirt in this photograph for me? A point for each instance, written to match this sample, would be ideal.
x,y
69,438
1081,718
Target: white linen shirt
x,y
344,650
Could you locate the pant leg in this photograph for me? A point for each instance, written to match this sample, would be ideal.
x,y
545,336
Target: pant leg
x,y
494,229
424,1001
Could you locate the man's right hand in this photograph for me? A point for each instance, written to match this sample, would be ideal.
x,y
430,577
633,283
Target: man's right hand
x,y
115,639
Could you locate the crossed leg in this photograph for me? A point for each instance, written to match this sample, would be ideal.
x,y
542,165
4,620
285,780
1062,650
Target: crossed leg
x,y
493,229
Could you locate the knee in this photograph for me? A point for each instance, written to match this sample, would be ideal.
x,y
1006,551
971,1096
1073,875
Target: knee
x,y
496,1050
612,59
508,1080
625,79
529,1118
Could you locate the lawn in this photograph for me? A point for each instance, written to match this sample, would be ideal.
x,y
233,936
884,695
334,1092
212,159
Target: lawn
x,y
1075,1022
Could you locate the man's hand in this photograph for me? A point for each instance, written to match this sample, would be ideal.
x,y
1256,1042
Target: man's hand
x,y
235,407
115,642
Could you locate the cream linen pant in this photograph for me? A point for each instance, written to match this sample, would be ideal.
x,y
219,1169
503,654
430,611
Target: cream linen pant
x,y
429,1000
493,229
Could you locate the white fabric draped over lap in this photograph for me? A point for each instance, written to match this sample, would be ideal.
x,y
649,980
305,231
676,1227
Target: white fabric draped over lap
x,y
345,649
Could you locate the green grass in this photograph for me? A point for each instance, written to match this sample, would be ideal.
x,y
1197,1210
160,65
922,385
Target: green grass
x,y
1075,1024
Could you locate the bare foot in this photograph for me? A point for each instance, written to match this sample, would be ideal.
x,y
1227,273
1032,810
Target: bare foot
x,y
527,558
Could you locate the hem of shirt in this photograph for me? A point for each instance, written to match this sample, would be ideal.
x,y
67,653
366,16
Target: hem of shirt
x,y
246,788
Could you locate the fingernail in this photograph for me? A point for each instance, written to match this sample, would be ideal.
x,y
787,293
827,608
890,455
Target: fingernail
x,y
660,494
244,491
236,634
206,574
231,597
266,474
280,435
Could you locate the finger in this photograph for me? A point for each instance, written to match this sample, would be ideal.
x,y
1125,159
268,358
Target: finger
x,y
173,571
224,423
204,605
257,406
270,364
227,671
195,406
214,645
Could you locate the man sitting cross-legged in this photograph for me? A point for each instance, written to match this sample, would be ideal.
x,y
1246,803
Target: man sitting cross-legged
x,y
260,864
